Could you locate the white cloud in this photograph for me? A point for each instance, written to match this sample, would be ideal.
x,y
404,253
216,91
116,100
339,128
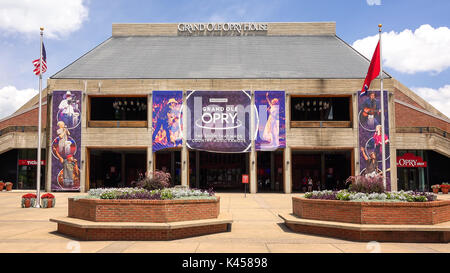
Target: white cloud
x,y
59,18
12,99
424,50
373,2
439,98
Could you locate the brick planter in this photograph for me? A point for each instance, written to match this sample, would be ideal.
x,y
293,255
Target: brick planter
x,y
408,222
156,211
101,219
382,213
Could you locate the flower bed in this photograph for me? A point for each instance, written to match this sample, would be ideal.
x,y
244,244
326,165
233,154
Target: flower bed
x,y
140,193
345,195
393,212
140,205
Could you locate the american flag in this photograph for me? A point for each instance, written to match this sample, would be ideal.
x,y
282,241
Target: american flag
x,y
37,62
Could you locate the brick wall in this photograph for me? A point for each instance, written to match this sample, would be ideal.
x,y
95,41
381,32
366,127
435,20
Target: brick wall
x,y
399,95
385,213
135,234
26,119
379,236
408,117
157,211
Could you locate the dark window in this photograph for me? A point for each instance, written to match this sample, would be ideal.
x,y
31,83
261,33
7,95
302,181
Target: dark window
x,y
320,108
119,108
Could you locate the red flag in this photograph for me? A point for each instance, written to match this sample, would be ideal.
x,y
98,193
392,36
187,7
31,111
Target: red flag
x,y
374,70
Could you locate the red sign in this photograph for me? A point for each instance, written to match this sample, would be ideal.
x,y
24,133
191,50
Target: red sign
x,y
245,178
409,160
26,162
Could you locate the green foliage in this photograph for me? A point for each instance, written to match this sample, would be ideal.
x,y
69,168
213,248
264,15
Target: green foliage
x,y
343,195
166,194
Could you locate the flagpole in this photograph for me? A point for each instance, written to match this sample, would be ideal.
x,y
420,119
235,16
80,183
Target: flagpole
x,y
38,182
383,157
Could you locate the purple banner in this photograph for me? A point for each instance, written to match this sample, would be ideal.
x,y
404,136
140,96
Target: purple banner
x,y
370,141
218,121
167,119
271,133
66,140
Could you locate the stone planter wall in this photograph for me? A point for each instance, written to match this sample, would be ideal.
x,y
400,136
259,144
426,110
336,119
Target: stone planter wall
x,y
383,213
156,211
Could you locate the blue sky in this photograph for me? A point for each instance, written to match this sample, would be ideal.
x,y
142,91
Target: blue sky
x,y
416,55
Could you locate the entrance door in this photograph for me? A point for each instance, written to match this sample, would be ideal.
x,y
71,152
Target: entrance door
x,y
408,179
327,169
115,167
169,161
305,165
270,171
220,171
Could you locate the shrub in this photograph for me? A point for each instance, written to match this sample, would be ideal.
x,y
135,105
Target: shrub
x,y
365,184
141,193
29,195
326,194
48,195
160,180
400,196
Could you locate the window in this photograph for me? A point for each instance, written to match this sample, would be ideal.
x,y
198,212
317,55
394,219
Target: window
x,y
321,111
118,112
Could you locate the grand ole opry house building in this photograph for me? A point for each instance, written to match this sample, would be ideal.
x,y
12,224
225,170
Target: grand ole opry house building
x,y
209,102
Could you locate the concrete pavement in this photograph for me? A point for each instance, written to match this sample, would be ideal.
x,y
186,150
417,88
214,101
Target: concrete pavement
x,y
256,229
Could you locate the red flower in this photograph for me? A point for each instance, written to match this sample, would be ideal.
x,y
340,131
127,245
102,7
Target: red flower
x,y
29,195
48,195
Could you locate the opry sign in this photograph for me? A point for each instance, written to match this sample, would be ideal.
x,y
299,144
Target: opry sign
x,y
409,160
238,28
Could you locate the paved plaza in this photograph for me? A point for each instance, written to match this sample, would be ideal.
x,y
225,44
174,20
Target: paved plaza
x,y
256,228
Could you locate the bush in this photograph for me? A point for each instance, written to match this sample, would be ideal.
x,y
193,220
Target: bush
x,y
160,180
365,184
345,195
48,195
141,193
29,195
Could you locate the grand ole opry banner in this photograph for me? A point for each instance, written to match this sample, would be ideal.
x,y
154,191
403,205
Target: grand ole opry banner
x,y
219,121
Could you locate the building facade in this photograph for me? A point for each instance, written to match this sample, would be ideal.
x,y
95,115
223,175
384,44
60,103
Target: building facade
x,y
106,124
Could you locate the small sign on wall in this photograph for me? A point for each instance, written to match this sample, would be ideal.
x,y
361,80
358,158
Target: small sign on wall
x,y
245,179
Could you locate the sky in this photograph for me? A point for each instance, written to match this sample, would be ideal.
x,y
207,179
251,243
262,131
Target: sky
x,y
416,34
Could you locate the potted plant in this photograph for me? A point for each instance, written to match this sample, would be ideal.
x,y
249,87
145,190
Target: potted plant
x,y
8,186
436,188
2,185
47,200
28,200
444,188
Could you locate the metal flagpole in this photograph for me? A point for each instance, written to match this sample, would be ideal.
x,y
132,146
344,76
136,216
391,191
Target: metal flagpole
x,y
383,157
38,182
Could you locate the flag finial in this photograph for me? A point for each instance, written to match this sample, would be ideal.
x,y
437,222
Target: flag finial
x,y
379,27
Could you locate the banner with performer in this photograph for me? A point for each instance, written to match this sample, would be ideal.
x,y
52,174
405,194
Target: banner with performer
x,y
370,138
218,121
167,119
270,120
66,140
